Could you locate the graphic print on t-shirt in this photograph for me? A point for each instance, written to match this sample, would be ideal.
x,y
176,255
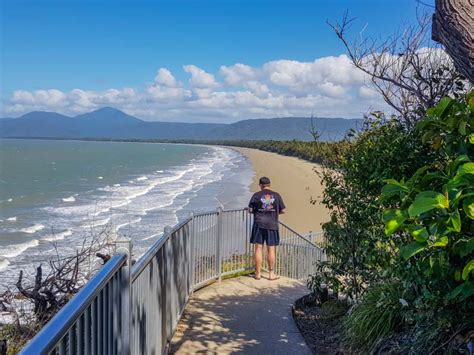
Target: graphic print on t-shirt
x,y
267,201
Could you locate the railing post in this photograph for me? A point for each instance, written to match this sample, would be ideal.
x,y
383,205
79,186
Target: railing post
x,y
125,246
192,254
218,244
166,310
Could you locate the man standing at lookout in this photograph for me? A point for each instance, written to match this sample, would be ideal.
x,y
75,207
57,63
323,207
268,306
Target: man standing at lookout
x,y
266,205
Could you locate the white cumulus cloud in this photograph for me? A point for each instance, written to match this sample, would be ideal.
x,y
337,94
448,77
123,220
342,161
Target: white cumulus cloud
x,y
165,78
238,73
326,87
199,77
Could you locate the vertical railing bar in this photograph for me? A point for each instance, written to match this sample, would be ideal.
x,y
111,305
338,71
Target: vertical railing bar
x,y
80,334
72,340
110,315
219,242
100,324
192,257
63,345
87,330
115,311
94,327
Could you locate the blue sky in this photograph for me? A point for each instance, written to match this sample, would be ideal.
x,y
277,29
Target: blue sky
x,y
98,46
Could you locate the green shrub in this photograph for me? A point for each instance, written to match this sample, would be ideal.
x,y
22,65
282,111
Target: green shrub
x,y
432,215
378,315
358,250
422,183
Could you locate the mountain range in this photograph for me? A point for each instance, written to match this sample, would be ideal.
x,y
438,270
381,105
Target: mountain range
x,y
111,123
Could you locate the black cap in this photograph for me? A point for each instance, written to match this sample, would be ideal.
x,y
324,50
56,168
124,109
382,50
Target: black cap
x,y
264,181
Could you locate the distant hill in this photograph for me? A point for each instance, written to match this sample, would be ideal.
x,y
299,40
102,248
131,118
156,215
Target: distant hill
x,y
287,128
111,123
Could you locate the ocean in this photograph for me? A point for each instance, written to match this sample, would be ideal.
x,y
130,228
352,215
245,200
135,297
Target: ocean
x,y
53,194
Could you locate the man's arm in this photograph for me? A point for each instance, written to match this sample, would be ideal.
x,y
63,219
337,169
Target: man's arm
x,y
252,204
282,206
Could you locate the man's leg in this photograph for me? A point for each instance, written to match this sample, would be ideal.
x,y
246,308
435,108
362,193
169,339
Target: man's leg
x,y
271,261
258,260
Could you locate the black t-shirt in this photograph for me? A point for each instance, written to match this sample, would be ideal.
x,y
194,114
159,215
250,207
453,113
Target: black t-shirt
x,y
266,205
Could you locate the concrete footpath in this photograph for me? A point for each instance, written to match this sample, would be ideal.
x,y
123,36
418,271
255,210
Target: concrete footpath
x,y
242,315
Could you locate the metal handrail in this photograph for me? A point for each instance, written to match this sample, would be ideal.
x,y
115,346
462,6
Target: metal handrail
x,y
49,336
298,235
154,291
140,265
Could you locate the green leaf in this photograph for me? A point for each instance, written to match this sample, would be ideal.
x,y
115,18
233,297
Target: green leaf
x,y
468,206
455,219
426,201
468,248
430,113
467,168
471,138
441,241
393,187
419,233
465,290
468,290
467,270
416,175
443,105
426,137
393,219
411,249
462,127
455,163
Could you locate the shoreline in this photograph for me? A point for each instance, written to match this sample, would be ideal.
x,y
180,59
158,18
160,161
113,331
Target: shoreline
x,y
139,205
298,183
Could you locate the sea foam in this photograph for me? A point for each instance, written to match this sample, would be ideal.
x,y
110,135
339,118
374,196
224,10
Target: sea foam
x,y
33,229
69,199
14,250
4,263
57,236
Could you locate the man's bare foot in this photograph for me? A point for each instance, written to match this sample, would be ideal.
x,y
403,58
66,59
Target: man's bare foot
x,y
257,277
272,276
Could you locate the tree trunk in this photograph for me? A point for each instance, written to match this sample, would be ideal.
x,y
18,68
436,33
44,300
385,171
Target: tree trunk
x,y
453,27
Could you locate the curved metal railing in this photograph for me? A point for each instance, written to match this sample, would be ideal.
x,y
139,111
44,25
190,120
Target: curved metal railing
x,y
136,310
91,322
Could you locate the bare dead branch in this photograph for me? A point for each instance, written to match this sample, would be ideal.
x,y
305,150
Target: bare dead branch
x,y
409,70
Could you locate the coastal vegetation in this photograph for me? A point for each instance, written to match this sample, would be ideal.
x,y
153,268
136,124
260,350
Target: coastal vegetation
x,y
30,301
400,241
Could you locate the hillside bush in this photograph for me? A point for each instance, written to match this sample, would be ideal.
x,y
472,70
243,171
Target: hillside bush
x,y
358,249
401,235
432,218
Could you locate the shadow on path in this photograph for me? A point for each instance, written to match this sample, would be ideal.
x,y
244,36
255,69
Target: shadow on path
x,y
241,315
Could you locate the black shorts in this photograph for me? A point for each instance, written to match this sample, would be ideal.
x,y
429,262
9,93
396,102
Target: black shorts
x,y
264,236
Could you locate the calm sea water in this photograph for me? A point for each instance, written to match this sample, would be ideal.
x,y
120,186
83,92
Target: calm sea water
x,y
58,192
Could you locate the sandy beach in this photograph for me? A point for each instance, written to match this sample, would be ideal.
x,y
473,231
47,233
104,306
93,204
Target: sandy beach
x,y
297,182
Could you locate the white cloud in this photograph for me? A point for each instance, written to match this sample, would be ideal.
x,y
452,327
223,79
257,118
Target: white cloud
x,y
326,87
238,73
366,92
200,78
165,78
332,90
257,87
335,70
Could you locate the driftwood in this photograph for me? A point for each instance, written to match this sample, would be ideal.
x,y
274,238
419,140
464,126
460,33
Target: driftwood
x,y
33,300
453,26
